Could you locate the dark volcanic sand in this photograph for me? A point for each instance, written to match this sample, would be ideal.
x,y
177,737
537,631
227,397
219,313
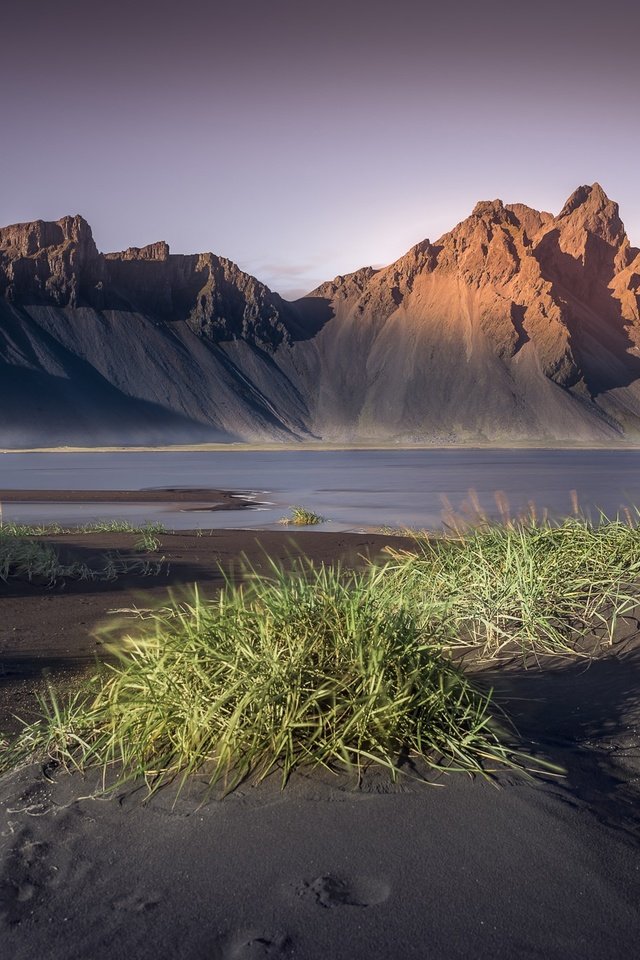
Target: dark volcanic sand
x,y
214,499
322,871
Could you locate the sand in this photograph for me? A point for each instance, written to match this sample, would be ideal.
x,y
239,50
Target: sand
x,y
546,868
205,498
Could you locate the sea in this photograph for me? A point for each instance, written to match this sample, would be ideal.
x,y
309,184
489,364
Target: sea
x,y
353,490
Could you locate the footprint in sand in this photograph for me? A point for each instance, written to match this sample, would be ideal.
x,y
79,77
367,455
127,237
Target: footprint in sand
x,y
26,879
134,903
331,890
257,945
35,800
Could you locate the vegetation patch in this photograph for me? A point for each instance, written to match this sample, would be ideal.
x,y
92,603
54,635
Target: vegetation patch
x,y
36,562
315,667
28,560
302,517
25,557
536,588
318,666
12,529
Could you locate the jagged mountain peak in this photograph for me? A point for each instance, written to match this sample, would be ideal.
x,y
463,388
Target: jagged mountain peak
x,y
589,209
493,211
590,196
588,230
515,324
31,238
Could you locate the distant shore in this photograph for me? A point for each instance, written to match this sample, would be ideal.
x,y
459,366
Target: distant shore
x,y
325,446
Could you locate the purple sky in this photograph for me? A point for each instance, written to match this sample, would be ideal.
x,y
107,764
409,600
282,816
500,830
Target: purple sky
x,y
308,139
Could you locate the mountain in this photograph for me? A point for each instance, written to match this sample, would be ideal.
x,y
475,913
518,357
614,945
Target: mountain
x,y
515,325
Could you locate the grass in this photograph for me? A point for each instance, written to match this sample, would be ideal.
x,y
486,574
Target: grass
x,y
12,529
313,668
527,587
121,526
323,667
37,562
302,517
28,560
149,541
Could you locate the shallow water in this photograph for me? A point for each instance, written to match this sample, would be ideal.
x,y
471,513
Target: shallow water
x,y
353,489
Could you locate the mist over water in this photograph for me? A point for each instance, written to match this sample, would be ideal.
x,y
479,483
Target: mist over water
x,y
354,489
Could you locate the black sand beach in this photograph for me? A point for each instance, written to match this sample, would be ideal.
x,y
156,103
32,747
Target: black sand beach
x,y
205,498
463,868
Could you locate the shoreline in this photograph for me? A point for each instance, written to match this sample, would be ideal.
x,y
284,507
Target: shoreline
x,y
205,498
325,447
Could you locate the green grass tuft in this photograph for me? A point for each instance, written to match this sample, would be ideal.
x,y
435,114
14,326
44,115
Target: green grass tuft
x,y
37,562
301,517
120,526
312,668
29,560
149,542
524,587
323,667
12,529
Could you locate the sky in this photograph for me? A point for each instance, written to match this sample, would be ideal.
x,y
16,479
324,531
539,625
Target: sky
x,y
305,139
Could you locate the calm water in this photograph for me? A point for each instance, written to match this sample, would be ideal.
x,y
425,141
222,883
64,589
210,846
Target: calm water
x,y
353,489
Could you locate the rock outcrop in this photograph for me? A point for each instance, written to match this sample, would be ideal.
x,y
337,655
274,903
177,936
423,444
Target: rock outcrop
x,y
47,262
517,324
59,264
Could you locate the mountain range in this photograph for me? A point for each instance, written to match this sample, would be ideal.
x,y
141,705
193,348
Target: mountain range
x,y
517,325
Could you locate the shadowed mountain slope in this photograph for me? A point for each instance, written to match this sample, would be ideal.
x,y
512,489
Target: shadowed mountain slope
x,y
515,325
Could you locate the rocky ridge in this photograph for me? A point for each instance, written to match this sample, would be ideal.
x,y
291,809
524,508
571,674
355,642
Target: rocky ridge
x,y
517,324
59,264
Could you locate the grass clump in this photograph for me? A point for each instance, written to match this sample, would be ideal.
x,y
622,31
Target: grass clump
x,y
121,526
314,668
537,588
37,562
149,541
28,560
302,517
12,529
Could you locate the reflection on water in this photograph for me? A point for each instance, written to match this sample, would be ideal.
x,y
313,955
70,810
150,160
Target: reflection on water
x,y
354,489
